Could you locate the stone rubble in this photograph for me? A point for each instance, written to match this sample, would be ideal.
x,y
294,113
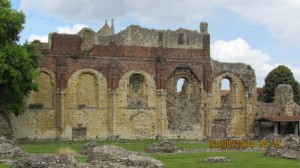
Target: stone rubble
x,y
9,149
163,146
217,159
88,148
46,161
119,157
98,157
290,148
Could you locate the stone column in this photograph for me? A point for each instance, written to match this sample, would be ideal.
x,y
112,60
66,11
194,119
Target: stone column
x,y
113,110
208,119
60,113
297,128
161,112
276,127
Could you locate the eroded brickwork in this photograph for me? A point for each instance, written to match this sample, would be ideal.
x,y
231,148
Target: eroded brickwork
x,y
106,85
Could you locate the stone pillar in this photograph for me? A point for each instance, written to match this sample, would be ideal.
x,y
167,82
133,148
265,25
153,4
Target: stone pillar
x,y
60,113
247,112
276,127
297,128
208,118
113,109
161,112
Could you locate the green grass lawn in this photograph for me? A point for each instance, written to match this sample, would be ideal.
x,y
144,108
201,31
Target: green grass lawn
x,y
53,146
249,159
238,159
4,166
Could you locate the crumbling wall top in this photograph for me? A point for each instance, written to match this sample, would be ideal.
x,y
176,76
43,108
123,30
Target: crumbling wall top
x,y
283,104
135,35
243,71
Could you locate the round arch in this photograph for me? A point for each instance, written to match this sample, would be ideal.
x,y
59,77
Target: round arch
x,y
123,89
237,89
49,72
100,82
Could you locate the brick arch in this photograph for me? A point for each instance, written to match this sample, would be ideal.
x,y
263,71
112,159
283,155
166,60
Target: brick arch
x,y
97,74
100,82
237,89
123,89
46,93
231,77
50,73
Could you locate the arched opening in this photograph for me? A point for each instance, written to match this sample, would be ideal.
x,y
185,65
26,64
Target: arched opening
x,y
137,92
137,85
179,84
87,90
184,101
44,97
225,90
181,87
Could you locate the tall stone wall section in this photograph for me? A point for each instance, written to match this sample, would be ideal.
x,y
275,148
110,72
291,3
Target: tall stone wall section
x,y
236,116
40,118
101,85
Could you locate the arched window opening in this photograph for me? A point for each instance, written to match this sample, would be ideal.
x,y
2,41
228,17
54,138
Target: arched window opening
x,y
137,92
225,91
181,87
137,85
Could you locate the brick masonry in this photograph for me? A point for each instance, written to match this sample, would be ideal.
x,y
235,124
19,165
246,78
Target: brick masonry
x,y
105,85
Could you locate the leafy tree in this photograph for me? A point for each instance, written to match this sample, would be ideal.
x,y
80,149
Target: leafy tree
x,y
18,63
280,75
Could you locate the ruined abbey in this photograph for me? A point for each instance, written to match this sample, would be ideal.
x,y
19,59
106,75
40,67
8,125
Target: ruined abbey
x,y
102,85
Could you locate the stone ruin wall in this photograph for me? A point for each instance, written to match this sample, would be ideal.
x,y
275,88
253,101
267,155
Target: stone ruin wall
x,y
104,85
236,116
283,105
185,110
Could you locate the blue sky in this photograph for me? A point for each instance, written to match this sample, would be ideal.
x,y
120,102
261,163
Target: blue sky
x,y
261,33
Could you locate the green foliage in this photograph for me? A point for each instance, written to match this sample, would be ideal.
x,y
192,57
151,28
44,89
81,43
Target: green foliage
x,y
280,75
18,63
11,23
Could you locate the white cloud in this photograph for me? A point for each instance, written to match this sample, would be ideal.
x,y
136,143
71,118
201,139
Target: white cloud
x,y
71,30
78,9
66,29
43,38
281,17
239,50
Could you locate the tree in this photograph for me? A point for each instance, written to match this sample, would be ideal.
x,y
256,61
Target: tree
x,y
280,75
18,63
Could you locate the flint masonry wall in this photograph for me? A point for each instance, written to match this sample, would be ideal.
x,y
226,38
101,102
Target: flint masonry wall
x,y
105,85
283,105
236,116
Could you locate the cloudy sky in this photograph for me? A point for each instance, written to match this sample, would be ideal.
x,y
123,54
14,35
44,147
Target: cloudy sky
x,y
261,33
